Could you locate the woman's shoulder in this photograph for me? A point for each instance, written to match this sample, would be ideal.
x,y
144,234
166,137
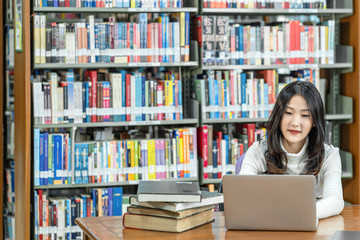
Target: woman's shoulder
x,y
259,146
330,150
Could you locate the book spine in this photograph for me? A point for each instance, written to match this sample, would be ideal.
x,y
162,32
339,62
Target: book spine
x,y
42,39
151,159
37,38
37,142
46,160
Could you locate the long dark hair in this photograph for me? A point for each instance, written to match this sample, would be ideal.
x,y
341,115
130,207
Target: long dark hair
x,y
315,148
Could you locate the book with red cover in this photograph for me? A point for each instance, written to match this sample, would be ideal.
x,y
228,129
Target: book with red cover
x,y
91,76
247,129
203,148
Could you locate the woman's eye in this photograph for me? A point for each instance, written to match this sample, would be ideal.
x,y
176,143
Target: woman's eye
x,y
289,113
306,115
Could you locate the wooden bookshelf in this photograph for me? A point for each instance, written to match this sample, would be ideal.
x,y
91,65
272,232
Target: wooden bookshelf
x,y
2,54
24,127
23,137
350,85
23,141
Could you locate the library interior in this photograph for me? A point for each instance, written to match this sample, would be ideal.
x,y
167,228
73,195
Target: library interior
x,y
120,118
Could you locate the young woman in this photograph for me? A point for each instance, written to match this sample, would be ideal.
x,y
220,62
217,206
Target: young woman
x,y
295,145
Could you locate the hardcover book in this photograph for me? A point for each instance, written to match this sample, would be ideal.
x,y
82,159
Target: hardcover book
x,y
166,224
169,214
207,198
168,191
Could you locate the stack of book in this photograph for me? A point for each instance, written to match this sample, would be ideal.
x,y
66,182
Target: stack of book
x,y
170,206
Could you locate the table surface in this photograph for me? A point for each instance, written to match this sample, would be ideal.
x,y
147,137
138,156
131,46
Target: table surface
x,y
111,228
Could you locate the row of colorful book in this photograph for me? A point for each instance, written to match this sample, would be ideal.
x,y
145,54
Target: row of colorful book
x,y
236,94
55,216
9,202
106,97
277,4
9,193
10,131
170,206
290,42
111,3
9,47
114,161
165,38
220,151
9,227
9,89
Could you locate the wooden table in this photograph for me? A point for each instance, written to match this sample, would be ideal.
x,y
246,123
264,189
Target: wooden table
x,y
109,228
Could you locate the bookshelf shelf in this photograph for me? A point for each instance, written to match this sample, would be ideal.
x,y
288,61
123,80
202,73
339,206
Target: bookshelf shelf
x,y
118,124
9,67
110,184
332,117
246,11
10,157
237,120
344,175
112,65
284,66
339,117
112,10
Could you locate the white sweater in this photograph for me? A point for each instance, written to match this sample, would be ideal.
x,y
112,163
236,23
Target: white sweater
x,y
328,183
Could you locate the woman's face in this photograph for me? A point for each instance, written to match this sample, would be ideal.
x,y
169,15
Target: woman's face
x,y
296,124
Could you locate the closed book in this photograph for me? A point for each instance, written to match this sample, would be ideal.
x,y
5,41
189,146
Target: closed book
x,y
166,224
155,191
207,198
165,213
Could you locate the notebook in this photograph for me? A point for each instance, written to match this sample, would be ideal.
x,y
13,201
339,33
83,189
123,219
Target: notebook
x,y
270,202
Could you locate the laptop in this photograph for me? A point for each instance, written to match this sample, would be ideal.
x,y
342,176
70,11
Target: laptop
x,y
270,202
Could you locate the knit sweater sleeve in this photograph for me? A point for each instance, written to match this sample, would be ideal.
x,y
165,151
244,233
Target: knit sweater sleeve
x,y
254,161
332,202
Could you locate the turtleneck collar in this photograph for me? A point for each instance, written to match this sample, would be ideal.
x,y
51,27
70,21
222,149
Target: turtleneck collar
x,y
295,157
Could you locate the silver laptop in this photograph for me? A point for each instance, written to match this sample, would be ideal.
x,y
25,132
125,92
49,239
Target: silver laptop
x,y
270,202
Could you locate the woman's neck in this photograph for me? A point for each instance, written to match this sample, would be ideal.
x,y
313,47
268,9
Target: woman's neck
x,y
292,147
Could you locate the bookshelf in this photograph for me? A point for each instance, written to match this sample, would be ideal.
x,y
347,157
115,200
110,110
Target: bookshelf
x,y
331,117
6,120
23,107
30,125
102,185
235,11
2,154
350,83
112,65
339,108
285,66
191,121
